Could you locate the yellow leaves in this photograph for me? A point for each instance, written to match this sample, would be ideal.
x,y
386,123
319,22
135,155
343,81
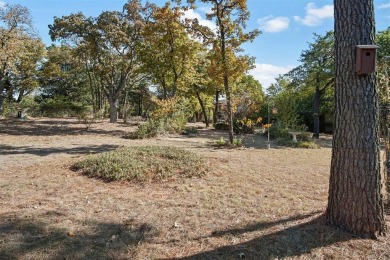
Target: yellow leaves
x,y
247,122
242,4
71,233
165,107
266,126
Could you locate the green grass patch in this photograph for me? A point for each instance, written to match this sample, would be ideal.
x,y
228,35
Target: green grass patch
x,y
142,164
224,143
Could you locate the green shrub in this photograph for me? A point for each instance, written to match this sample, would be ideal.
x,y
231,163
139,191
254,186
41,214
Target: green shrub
x,y
299,144
221,126
170,116
237,142
306,137
29,106
141,164
278,131
86,116
222,142
244,126
99,115
191,130
147,130
281,130
308,144
9,109
59,107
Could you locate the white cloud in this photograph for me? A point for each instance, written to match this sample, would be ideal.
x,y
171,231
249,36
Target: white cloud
x,y
266,73
2,4
271,24
314,15
205,9
384,6
191,14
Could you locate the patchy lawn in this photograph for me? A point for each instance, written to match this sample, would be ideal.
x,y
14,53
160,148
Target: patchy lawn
x,y
253,203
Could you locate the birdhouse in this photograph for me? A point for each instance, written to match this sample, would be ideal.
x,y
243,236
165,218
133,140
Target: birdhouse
x,y
365,59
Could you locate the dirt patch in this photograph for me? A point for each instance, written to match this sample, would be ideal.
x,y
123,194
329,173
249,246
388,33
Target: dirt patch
x,y
255,203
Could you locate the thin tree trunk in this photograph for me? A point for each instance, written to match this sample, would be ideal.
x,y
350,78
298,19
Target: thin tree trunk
x,y
355,202
20,96
203,109
215,118
316,110
229,107
1,97
94,94
226,82
125,109
139,105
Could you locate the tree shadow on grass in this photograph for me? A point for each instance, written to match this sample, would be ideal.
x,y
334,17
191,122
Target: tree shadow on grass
x,y
292,241
78,150
52,127
39,238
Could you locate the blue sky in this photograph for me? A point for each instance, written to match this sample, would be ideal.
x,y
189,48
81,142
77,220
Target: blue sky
x,y
287,26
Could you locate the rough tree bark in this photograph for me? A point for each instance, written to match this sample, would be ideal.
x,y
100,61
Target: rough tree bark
x,y
113,109
355,202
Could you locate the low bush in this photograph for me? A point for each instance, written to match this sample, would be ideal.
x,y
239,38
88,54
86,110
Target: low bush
x,y
86,116
278,131
221,126
146,130
244,126
308,144
299,144
190,130
142,164
170,116
222,142
306,137
154,127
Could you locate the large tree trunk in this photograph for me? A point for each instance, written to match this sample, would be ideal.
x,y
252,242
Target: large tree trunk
x,y
385,118
355,202
113,110
203,108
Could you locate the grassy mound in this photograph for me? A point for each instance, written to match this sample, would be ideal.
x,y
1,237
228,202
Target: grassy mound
x,y
145,163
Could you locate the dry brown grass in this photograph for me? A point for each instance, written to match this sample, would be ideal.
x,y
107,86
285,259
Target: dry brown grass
x,y
255,203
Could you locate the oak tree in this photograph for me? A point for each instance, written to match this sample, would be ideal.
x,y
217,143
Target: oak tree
x,y
110,42
230,17
170,52
16,29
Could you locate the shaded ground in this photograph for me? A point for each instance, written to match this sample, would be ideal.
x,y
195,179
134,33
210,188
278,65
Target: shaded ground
x,y
256,203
